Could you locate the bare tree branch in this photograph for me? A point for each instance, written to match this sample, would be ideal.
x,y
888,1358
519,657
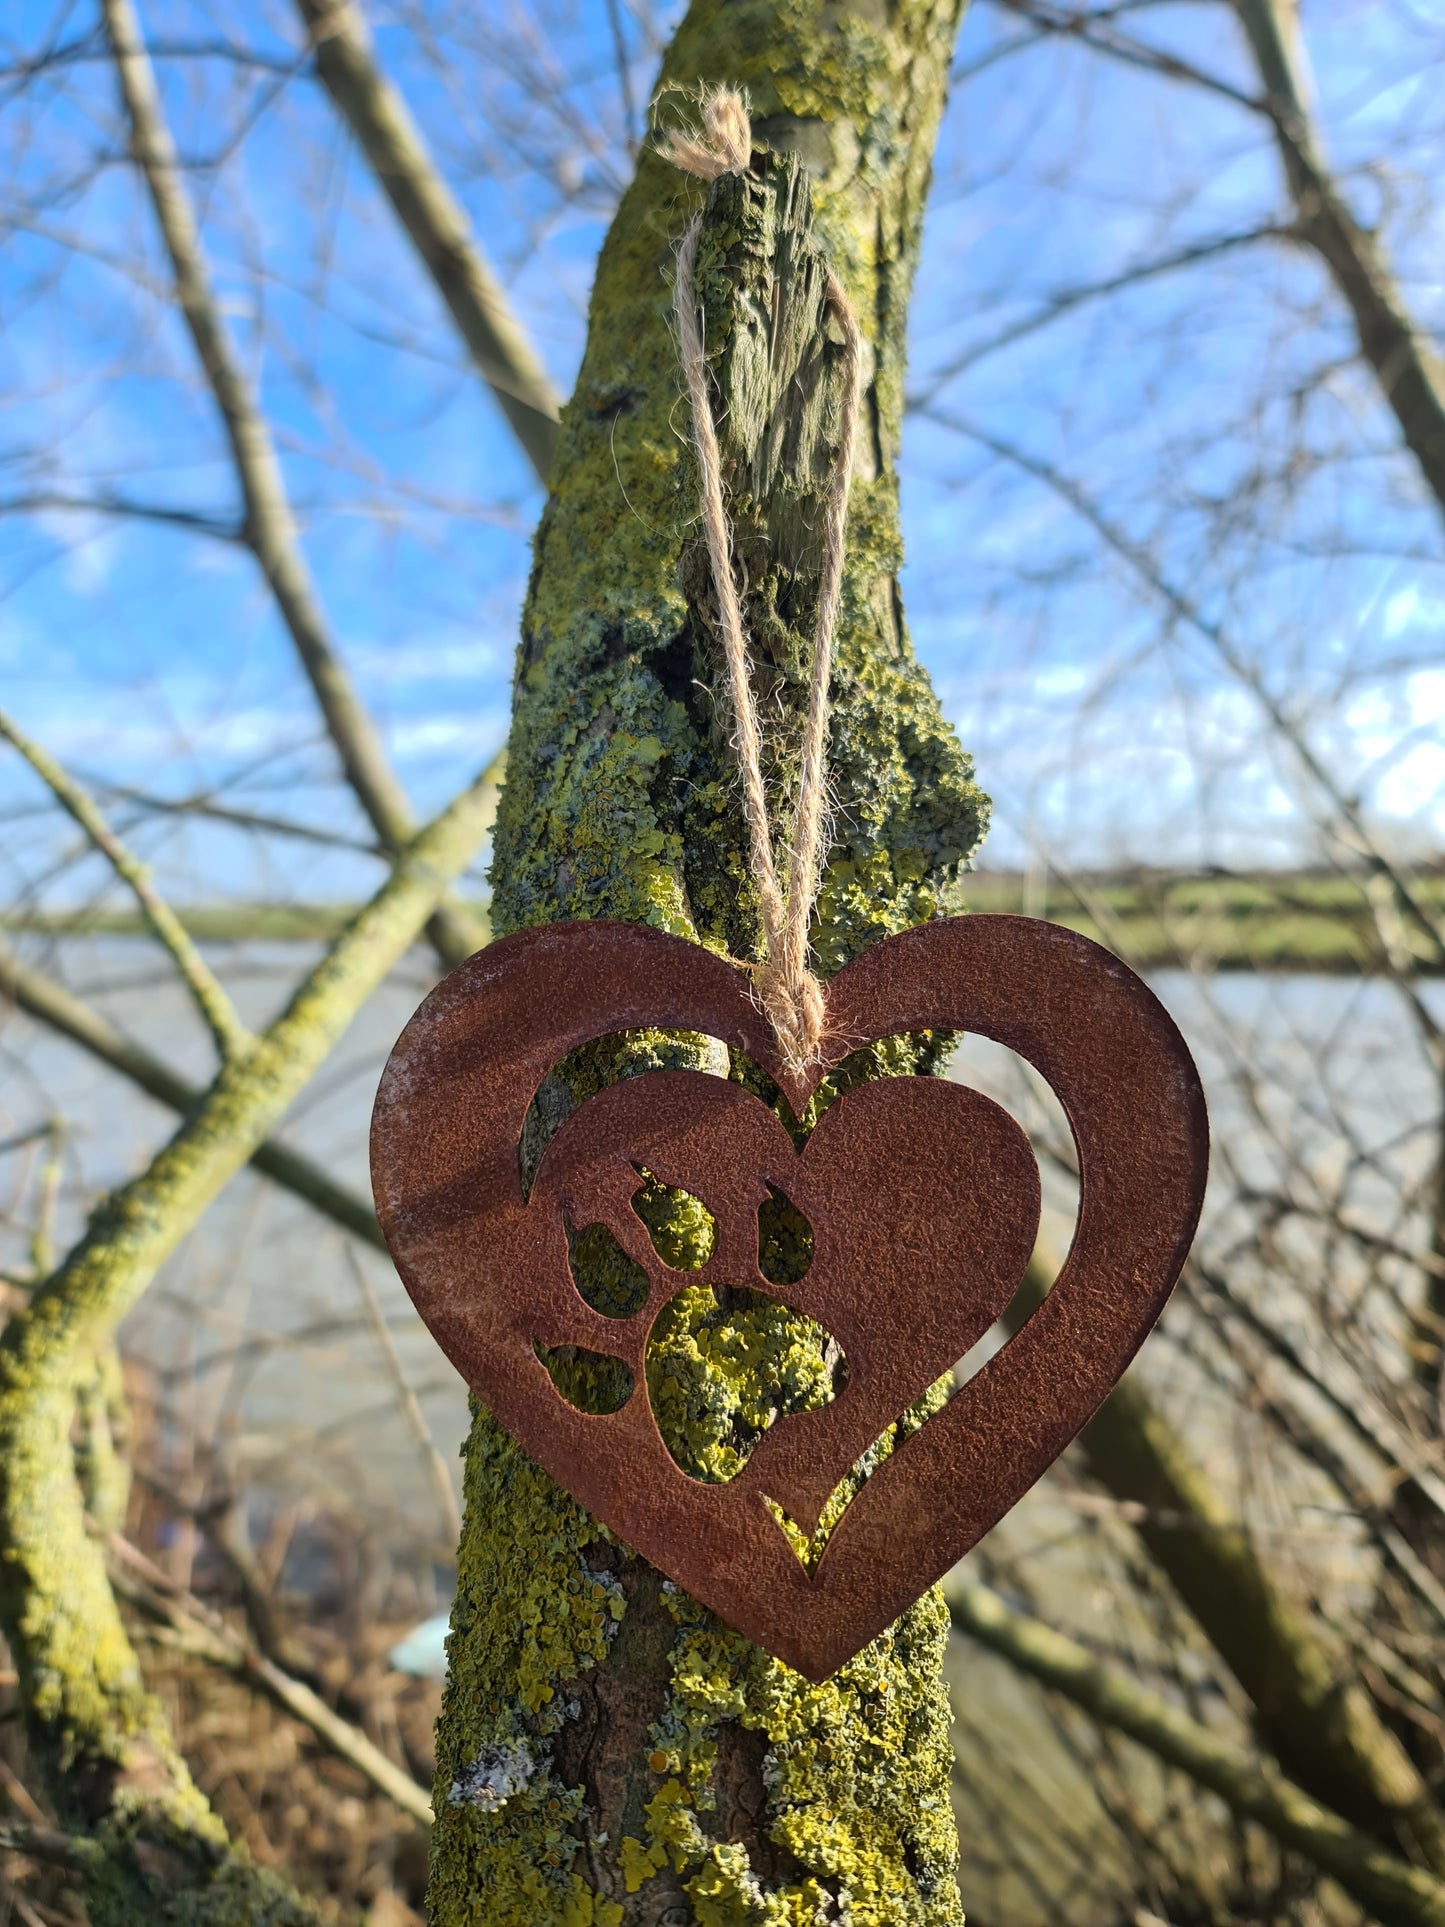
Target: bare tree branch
x,y
205,1634
1407,368
1346,808
1391,1889
410,1404
1094,28
270,530
39,996
205,805
1410,374
56,501
392,142
1066,300
91,46
1330,1741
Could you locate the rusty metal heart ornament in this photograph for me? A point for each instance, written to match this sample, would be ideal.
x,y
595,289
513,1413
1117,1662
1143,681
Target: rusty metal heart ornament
x,y
922,1195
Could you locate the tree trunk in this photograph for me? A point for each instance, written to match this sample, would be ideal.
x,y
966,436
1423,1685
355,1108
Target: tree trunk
x,y
608,1751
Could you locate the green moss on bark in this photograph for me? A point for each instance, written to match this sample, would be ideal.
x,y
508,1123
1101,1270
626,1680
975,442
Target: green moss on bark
x,y
608,1752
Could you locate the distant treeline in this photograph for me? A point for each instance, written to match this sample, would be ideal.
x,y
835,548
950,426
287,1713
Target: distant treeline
x,y
1260,920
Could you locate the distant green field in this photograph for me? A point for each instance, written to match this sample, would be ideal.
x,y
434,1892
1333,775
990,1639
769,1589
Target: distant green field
x,y
214,923
1270,920
1279,920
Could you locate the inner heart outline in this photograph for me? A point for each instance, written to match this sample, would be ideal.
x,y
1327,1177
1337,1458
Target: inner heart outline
x,y
446,1172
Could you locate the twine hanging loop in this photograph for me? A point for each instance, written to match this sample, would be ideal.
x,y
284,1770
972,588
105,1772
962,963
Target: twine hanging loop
x,y
785,984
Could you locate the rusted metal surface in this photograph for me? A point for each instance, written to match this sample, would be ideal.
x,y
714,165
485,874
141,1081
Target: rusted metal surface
x,y
923,1197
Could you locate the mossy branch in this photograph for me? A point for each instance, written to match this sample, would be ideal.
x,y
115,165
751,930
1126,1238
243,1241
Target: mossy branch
x,y
101,1742
1386,1885
52,1004
69,1016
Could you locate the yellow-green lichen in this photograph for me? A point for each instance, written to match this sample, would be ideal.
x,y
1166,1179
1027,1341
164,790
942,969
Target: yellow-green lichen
x,y
856,1772
534,1612
720,1374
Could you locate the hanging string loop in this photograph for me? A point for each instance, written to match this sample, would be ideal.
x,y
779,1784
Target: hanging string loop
x,y
786,986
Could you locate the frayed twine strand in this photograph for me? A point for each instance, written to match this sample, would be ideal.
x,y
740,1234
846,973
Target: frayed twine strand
x,y
722,144
786,986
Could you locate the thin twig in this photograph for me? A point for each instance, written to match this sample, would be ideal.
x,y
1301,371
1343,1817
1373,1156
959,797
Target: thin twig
x,y
1066,300
231,1035
45,501
207,1636
410,1404
257,820
1183,606
56,1849
1386,1885
1088,28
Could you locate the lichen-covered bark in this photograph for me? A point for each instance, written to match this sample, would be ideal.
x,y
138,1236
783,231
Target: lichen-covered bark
x,y
608,1752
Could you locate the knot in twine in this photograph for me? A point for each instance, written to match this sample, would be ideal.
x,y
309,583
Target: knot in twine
x,y
784,984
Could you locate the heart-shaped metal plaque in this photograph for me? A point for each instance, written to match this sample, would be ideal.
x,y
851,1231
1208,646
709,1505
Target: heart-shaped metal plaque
x,y
922,1196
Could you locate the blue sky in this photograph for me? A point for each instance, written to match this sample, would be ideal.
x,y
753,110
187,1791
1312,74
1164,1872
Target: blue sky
x,y
1213,415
